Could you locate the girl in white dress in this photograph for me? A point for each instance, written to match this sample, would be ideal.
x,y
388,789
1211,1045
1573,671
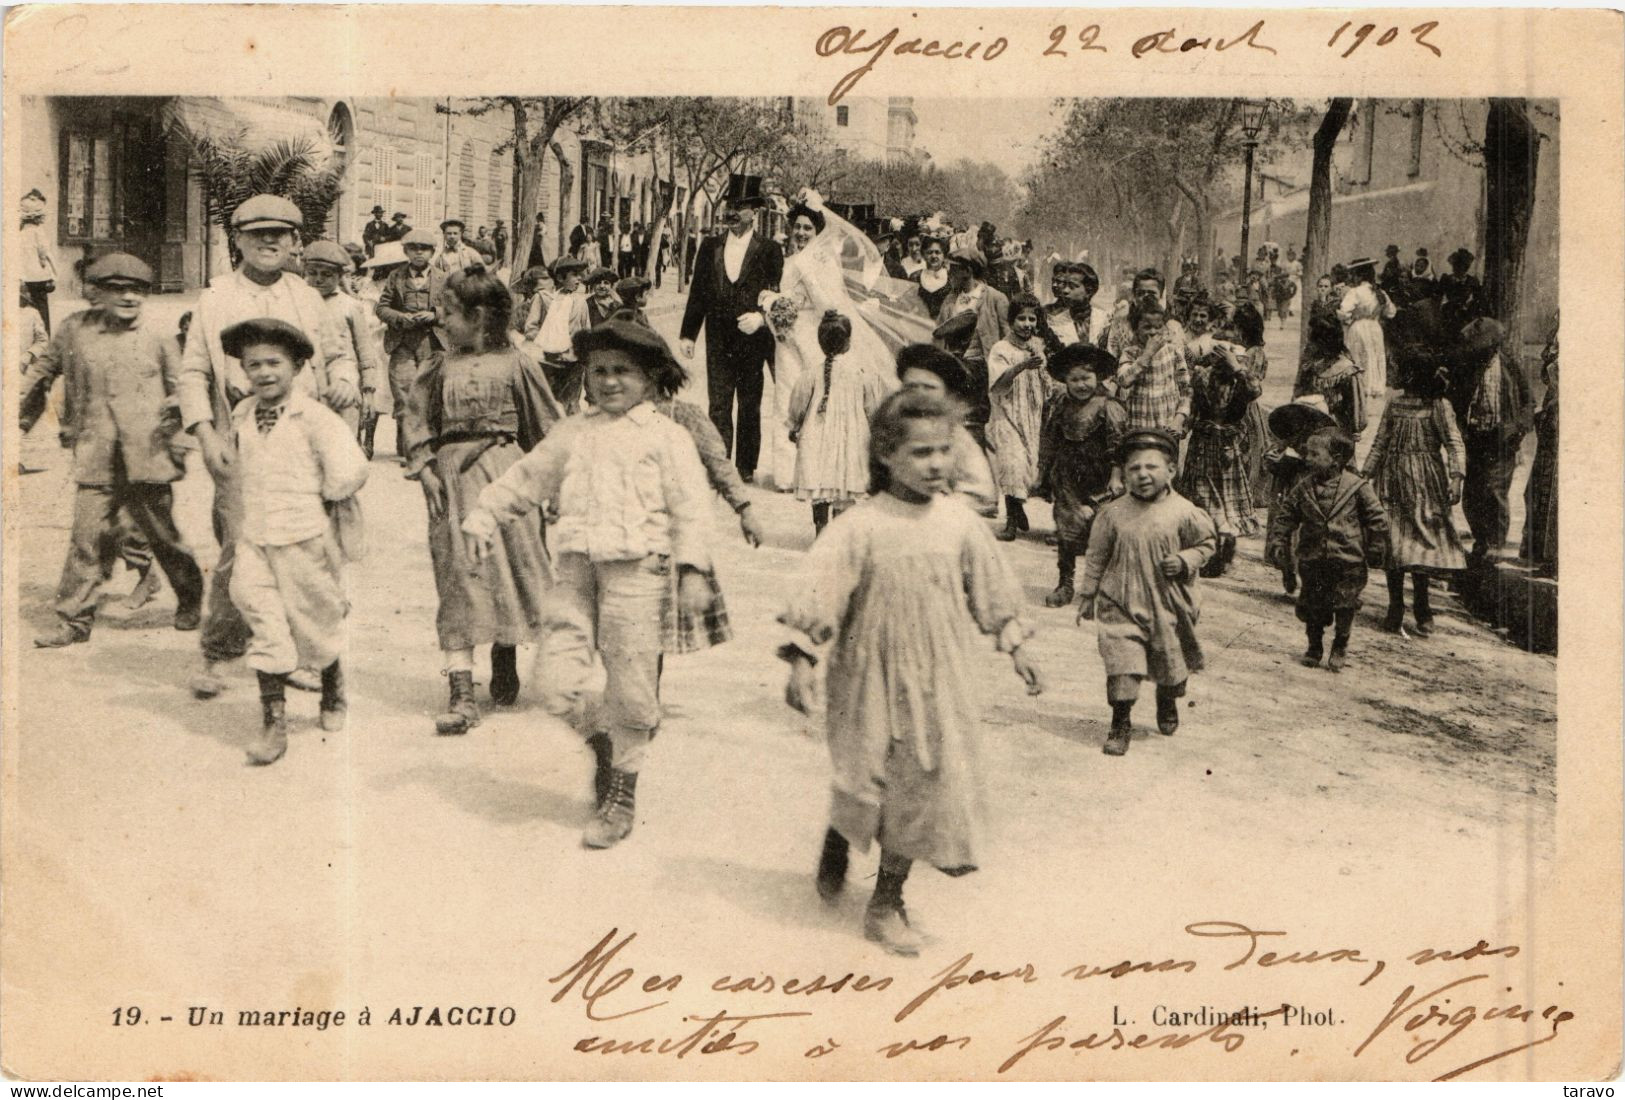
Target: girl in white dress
x,y
829,422
1362,311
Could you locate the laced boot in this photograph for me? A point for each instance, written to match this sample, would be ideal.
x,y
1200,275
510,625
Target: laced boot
x,y
615,813
1317,647
888,926
272,741
1117,739
603,758
504,675
462,713
1422,604
1339,654
334,705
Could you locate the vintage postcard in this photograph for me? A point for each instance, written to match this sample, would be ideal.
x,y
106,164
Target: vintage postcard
x,y
811,544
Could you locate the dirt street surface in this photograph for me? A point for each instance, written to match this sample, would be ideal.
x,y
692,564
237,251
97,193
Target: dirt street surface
x,y
386,865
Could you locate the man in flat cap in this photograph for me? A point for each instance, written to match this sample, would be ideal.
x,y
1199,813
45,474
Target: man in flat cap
x,y
454,255
118,416
212,382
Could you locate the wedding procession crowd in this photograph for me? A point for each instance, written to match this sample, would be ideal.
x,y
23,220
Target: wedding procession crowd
x,y
914,382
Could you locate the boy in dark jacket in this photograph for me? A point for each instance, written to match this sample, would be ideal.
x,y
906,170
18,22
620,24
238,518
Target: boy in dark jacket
x,y
119,417
1341,528
1077,453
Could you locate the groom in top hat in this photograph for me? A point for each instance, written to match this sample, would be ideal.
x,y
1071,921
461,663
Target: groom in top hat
x,y
730,273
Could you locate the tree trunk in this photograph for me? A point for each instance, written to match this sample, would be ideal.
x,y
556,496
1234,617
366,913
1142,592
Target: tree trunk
x,y
566,185
1511,154
1319,219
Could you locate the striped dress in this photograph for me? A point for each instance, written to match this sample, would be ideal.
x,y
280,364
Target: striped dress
x,y
1412,480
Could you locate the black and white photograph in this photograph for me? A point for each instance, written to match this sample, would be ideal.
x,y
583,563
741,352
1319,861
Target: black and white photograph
x,y
795,586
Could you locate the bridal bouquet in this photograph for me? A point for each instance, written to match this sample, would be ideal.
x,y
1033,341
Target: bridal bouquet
x,y
781,312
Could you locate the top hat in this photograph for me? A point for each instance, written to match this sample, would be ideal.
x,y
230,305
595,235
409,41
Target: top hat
x,y
119,267
744,192
267,212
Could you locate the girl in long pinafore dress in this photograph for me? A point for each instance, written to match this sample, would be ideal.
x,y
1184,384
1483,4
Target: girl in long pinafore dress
x,y
895,592
1018,386
1139,585
829,423
468,420
1417,487
1214,476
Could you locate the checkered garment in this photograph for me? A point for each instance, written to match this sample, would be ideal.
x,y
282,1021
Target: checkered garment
x,y
684,633
1162,390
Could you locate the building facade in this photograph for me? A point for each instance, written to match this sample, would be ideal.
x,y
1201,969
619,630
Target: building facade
x,y
864,127
116,179
1409,172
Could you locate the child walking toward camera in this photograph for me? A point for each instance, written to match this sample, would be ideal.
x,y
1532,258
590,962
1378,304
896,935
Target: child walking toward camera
x,y
1340,527
631,499
829,424
896,590
471,416
1019,388
1078,453
1139,585
1417,465
299,465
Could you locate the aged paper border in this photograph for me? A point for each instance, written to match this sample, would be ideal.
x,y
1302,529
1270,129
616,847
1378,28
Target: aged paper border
x,y
1572,925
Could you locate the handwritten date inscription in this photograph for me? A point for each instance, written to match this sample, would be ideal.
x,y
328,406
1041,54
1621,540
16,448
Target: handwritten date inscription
x,y
1142,43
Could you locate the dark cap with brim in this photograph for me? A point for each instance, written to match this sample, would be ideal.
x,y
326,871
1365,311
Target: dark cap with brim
x,y
1069,358
959,325
119,267
1295,420
458,222
940,363
565,264
628,289
619,334
1149,438
266,330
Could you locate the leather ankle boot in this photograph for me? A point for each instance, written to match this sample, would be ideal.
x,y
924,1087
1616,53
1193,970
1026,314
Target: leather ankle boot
x,y
334,704
462,713
615,814
504,675
272,741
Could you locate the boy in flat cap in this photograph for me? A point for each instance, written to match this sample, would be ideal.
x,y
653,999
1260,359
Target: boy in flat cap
x,y
296,459
634,295
555,318
1139,585
414,338
326,265
118,415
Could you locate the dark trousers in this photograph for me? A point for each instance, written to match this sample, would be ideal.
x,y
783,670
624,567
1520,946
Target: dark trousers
x,y
225,632
728,376
95,542
1490,466
40,299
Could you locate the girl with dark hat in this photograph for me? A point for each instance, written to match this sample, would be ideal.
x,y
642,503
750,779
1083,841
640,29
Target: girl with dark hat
x,y
1078,460
1139,585
928,369
470,419
1417,464
1289,426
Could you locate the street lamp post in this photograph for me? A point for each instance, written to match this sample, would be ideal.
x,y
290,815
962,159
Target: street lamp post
x,y
1252,121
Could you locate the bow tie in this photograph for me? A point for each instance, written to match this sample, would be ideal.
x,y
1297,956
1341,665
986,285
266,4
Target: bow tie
x,y
265,417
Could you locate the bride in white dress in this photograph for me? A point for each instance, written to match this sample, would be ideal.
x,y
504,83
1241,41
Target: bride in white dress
x,y
828,265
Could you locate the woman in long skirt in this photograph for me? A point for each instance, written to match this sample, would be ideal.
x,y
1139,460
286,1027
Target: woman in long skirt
x,y
1362,311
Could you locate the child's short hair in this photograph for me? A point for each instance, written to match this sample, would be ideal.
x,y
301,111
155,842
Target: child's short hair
x,y
889,427
1138,312
1338,443
1023,302
475,289
1098,361
1149,273
834,333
